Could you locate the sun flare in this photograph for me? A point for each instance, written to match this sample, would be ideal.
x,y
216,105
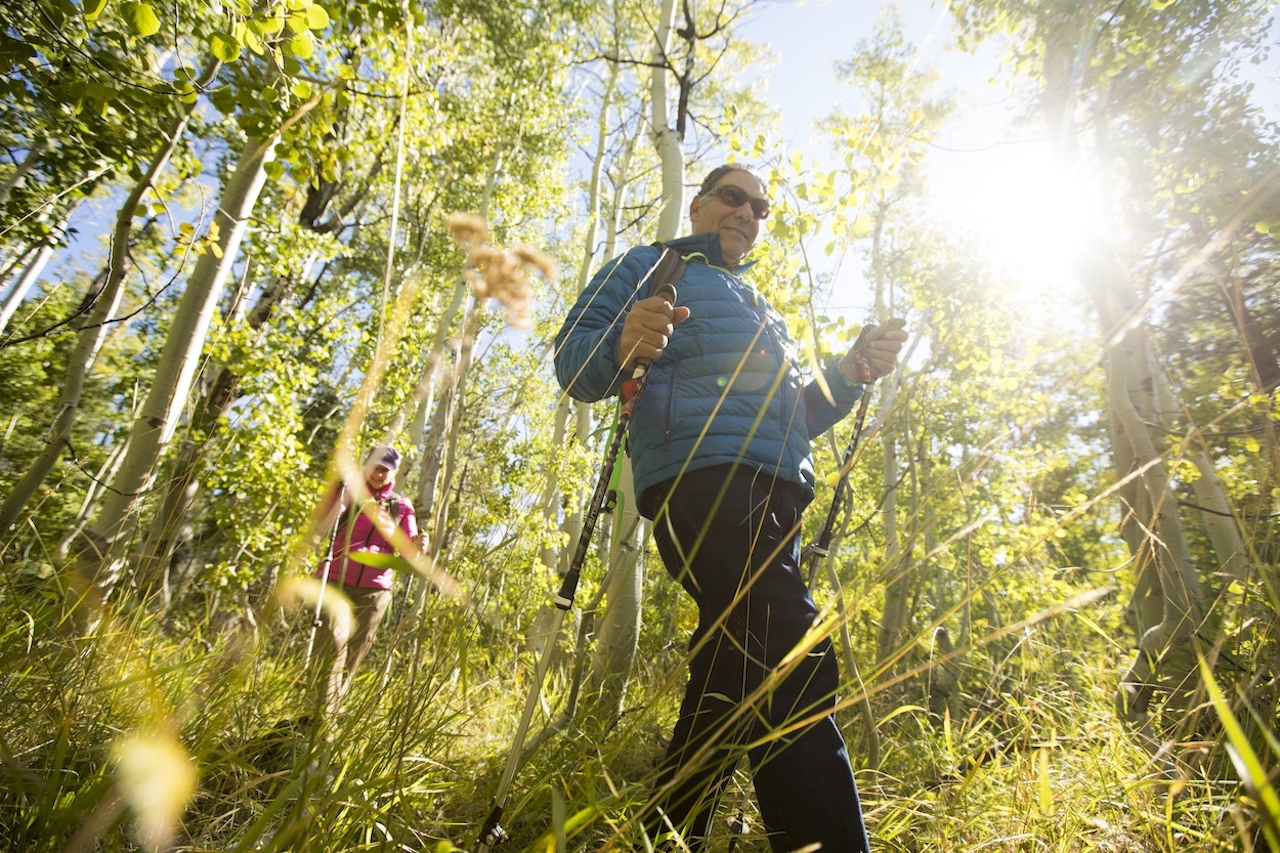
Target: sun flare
x,y
1027,214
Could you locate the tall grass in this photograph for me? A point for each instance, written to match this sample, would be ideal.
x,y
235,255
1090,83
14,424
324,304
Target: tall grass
x,y
147,737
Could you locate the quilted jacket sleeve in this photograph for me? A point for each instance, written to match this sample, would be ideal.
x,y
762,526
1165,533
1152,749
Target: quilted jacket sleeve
x,y
820,414
586,358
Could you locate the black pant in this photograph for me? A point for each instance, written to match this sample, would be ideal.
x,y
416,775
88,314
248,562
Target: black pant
x,y
731,537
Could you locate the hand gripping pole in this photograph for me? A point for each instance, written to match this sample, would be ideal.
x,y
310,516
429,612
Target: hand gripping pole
x,y
492,833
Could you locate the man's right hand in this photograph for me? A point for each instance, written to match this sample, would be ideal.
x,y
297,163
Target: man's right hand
x,y
647,330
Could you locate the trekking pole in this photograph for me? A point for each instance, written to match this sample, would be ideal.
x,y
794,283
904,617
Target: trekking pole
x,y
492,833
324,576
821,549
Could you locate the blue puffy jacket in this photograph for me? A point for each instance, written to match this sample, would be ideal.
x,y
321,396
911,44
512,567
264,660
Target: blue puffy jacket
x,y
726,388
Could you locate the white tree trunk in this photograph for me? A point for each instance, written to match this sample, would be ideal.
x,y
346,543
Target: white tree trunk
x,y
22,286
620,629
26,167
102,555
1168,602
666,139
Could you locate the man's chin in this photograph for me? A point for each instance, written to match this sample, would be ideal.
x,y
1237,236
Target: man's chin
x,y
733,247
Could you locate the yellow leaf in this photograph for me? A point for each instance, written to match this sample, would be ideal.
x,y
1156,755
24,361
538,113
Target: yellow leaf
x,y
317,17
94,8
144,19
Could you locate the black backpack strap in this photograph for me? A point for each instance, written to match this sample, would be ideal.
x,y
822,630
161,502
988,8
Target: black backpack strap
x,y
392,503
668,270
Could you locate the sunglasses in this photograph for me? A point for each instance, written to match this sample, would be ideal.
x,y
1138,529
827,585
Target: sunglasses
x,y
736,197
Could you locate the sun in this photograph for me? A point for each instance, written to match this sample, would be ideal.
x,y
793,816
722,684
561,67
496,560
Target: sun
x,y
1027,214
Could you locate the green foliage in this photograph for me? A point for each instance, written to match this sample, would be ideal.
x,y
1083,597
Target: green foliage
x,y
1004,480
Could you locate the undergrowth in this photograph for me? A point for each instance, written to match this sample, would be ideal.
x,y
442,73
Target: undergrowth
x,y
1024,758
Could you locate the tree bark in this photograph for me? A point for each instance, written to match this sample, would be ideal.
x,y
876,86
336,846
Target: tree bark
x,y
667,141
26,167
100,551
166,533
1168,604
22,286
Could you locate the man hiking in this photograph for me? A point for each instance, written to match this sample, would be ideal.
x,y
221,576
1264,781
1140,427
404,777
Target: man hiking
x,y
719,441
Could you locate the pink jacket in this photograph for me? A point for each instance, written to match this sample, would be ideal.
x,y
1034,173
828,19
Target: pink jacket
x,y
357,533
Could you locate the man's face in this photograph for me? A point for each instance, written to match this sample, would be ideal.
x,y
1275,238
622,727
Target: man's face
x,y
737,226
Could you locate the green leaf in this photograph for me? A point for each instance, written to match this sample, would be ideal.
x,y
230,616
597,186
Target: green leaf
x,y
94,8
224,98
249,34
301,46
224,46
382,561
301,90
317,17
297,23
142,17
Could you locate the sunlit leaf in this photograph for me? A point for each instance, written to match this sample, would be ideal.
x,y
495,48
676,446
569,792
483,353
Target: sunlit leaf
x,y
224,46
376,560
142,18
302,46
94,8
317,17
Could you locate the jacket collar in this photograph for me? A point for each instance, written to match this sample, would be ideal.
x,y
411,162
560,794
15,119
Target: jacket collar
x,y
707,245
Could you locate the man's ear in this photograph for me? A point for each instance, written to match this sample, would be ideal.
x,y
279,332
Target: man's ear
x,y
693,207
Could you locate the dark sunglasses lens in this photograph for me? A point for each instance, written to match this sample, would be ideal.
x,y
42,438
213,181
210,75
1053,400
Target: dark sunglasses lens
x,y
735,197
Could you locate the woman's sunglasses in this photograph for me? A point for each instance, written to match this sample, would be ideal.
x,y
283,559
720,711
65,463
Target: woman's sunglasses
x,y
736,197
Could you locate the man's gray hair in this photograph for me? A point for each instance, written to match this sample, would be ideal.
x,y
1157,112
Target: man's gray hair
x,y
709,183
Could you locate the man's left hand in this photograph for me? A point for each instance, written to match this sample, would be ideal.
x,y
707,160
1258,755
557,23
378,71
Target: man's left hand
x,y
875,353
